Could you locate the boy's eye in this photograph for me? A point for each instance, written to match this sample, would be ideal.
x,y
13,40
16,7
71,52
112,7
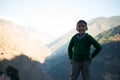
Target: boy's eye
x,y
81,26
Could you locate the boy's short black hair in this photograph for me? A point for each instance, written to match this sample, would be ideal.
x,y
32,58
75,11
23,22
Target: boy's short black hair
x,y
82,21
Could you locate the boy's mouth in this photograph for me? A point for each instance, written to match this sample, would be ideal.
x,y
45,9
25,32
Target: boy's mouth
x,y
81,31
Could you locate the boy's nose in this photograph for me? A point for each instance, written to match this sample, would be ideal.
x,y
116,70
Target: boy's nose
x,y
81,27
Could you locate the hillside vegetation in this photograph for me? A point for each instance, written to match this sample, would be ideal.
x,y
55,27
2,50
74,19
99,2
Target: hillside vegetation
x,y
114,35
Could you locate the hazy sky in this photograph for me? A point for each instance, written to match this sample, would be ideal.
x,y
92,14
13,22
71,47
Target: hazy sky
x,y
56,17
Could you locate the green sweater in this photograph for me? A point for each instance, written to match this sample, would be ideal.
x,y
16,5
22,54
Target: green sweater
x,y
79,47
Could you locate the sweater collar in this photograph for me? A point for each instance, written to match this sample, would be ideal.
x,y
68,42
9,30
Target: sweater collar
x,y
80,37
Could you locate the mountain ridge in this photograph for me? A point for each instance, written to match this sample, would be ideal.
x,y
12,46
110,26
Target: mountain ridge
x,y
60,58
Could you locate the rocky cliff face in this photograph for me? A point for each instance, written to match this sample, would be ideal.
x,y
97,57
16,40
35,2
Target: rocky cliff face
x,y
19,47
19,40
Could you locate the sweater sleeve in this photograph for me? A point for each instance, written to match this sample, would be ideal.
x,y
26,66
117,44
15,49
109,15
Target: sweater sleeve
x,y
70,47
96,45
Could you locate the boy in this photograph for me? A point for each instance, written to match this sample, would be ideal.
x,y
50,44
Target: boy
x,y
79,51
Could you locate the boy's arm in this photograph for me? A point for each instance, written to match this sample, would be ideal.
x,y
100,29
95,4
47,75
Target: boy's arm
x,y
70,49
96,45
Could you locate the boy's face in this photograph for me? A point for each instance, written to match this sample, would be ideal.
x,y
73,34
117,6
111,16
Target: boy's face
x,y
81,27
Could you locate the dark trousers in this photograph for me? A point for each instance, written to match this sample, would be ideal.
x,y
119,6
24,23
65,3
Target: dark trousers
x,y
78,67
